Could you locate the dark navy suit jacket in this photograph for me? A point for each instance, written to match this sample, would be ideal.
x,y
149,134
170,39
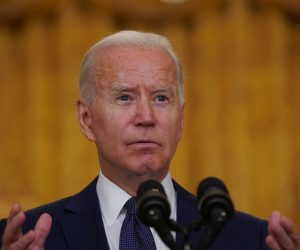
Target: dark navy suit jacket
x,y
77,224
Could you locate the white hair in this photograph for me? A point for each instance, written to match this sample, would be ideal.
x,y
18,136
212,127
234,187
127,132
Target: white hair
x,y
127,38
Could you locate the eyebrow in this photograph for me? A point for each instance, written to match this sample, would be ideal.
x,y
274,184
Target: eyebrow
x,y
121,88
161,89
165,89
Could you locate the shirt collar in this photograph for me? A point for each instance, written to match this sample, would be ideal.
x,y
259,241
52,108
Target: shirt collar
x,y
111,208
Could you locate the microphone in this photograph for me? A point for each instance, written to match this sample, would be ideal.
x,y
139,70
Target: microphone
x,y
215,207
214,202
154,210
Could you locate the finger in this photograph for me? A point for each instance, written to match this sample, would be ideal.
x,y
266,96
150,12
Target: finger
x,y
272,243
277,231
13,212
42,229
23,242
13,229
290,230
274,221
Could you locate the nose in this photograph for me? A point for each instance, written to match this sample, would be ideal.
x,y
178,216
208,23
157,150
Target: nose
x,y
144,115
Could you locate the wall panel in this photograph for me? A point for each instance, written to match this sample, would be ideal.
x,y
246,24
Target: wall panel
x,y
241,59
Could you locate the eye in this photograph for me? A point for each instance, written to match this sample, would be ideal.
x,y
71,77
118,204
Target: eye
x,y
161,98
124,98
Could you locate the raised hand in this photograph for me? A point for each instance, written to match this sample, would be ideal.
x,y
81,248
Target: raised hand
x,y
14,239
282,233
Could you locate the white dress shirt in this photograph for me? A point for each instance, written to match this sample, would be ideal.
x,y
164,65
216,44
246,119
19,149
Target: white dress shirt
x,y
112,199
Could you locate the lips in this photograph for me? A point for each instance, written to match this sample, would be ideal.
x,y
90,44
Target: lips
x,y
144,143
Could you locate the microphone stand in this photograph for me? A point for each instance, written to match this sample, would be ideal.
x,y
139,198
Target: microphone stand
x,y
174,226
213,229
210,233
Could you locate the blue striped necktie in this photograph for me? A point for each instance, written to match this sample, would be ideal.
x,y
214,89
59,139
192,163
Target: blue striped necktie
x,y
134,234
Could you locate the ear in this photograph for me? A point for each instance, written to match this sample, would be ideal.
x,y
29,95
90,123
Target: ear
x,y
85,119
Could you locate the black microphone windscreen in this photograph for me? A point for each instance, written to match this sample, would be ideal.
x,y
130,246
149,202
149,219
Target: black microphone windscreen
x,y
212,195
149,185
210,182
154,210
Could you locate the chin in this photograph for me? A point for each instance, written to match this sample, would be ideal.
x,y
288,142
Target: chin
x,y
149,170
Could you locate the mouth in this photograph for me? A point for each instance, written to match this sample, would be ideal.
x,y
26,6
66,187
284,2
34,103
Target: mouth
x,y
144,143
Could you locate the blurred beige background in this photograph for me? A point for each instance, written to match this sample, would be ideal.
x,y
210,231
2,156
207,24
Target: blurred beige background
x,y
242,68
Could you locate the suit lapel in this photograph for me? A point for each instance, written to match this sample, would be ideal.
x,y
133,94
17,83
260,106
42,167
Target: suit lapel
x,y
82,222
83,226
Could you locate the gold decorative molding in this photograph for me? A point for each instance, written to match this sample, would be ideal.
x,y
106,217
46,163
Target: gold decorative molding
x,y
16,10
149,10
291,7
153,10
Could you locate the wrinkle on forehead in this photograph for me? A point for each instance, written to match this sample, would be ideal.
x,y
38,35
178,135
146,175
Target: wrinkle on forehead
x,y
120,64
133,76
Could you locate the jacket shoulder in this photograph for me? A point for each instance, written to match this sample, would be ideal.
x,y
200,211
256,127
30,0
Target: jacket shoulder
x,y
244,231
55,209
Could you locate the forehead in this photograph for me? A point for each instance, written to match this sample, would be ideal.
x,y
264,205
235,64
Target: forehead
x,y
125,52
135,63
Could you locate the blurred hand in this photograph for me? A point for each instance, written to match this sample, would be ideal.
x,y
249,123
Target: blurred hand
x,y
14,239
282,233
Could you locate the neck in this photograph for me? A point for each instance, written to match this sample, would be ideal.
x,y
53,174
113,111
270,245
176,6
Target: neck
x,y
131,182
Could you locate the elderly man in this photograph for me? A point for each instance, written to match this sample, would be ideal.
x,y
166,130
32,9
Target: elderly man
x,y
131,105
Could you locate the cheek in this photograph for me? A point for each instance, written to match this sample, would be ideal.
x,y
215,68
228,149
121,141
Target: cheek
x,y
178,128
172,128
111,127
100,124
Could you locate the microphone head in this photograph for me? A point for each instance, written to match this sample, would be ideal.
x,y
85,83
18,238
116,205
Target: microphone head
x,y
214,202
208,183
150,185
152,203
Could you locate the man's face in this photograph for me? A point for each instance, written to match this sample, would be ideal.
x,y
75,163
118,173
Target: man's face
x,y
136,119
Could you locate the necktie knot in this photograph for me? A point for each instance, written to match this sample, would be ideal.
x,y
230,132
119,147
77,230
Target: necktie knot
x,y
130,206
